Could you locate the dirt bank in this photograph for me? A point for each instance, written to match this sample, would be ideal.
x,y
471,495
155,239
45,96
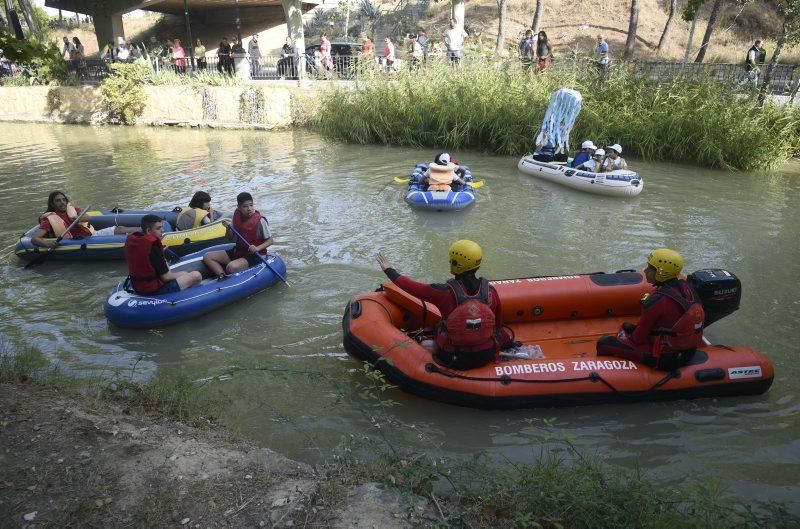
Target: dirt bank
x,y
74,461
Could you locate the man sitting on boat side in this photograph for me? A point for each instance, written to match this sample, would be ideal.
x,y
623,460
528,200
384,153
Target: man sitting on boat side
x,y
197,214
149,273
614,161
671,325
587,151
60,214
471,331
592,165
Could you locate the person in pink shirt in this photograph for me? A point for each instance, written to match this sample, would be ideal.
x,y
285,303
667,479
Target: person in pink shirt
x,y
325,52
388,52
178,56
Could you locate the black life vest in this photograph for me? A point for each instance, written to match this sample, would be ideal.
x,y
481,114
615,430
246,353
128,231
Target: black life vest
x,y
750,65
138,246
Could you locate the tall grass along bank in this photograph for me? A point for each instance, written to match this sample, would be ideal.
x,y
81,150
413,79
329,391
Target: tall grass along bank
x,y
499,108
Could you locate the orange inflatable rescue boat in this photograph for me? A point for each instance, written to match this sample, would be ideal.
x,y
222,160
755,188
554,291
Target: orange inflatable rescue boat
x,y
558,319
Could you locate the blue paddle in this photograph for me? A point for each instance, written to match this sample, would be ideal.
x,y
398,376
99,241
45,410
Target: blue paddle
x,y
263,259
40,259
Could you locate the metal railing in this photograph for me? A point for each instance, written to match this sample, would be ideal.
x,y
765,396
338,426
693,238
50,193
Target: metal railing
x,y
785,77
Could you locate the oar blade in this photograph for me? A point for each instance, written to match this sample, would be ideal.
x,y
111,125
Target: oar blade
x,y
476,185
398,180
36,261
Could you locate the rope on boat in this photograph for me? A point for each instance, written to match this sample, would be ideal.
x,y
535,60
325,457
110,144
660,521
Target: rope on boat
x,y
563,110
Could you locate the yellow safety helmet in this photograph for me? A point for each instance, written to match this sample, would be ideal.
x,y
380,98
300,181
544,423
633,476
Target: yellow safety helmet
x,y
464,256
668,263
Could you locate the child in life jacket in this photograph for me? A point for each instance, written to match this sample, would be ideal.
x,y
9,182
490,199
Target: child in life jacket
x,y
671,325
471,332
254,227
147,268
442,174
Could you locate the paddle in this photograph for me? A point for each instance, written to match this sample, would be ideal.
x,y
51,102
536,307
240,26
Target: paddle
x,y
263,259
473,185
42,256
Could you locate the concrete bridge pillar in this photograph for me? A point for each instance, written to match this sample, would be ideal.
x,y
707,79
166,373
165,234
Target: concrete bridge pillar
x,y
293,9
107,27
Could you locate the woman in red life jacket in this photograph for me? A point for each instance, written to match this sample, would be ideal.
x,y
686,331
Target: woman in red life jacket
x,y
471,331
60,214
149,273
671,325
254,228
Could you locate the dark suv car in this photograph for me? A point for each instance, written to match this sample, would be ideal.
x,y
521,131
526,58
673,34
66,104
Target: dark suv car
x,y
345,57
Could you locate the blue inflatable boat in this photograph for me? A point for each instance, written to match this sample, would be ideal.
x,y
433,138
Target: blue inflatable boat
x,y
104,248
418,197
125,308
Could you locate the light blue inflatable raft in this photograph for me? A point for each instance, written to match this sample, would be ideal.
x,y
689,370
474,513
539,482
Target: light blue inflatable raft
x,y
418,197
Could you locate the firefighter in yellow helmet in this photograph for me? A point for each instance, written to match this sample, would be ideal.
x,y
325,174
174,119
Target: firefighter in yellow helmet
x,y
471,332
671,325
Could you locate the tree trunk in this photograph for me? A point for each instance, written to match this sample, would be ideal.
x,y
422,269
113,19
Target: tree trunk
x,y
501,27
537,17
632,25
457,9
668,26
762,93
691,38
712,18
30,17
24,7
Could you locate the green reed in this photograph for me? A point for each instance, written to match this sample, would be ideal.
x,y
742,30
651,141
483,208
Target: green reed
x,y
497,107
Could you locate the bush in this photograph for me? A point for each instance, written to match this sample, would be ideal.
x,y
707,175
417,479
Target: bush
x,y
123,93
41,62
498,108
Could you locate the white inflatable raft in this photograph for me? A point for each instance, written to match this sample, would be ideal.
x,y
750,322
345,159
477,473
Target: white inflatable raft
x,y
616,183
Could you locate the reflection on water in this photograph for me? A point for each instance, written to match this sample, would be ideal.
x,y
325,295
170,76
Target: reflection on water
x,y
332,208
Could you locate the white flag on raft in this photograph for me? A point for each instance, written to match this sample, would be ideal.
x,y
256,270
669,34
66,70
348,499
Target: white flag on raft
x,y
563,110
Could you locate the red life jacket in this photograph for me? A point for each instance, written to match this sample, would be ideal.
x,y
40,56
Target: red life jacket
x,y
138,246
249,230
687,333
471,327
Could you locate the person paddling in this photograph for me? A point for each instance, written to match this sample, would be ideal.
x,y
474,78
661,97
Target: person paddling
x,y
60,214
471,332
254,227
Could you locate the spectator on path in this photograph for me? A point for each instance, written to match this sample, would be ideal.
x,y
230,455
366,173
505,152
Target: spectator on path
x,y
200,55
325,52
224,59
526,47
603,61
422,38
123,52
544,52
414,52
80,58
255,56
389,53
109,53
155,50
454,38
751,63
286,61
68,52
178,56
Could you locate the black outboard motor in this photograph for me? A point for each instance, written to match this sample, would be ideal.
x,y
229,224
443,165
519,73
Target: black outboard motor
x,y
548,154
720,292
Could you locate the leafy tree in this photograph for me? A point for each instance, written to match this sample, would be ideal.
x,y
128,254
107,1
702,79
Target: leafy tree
x,y
41,60
690,14
790,36
537,16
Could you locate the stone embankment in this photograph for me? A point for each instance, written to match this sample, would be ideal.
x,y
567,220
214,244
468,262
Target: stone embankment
x,y
266,105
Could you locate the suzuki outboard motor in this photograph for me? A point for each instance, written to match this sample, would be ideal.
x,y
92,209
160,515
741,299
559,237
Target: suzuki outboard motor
x,y
720,292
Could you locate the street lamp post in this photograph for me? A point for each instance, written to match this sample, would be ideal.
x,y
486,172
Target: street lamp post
x,y
189,33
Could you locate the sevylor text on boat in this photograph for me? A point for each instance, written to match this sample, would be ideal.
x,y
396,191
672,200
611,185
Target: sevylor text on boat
x,y
126,308
98,247
623,183
558,319
439,196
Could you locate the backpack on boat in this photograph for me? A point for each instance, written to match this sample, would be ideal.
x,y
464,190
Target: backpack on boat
x,y
467,338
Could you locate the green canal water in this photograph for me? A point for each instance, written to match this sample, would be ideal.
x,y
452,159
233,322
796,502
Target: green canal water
x,y
332,207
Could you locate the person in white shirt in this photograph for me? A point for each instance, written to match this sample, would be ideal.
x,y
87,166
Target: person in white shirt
x,y
614,161
593,164
454,38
